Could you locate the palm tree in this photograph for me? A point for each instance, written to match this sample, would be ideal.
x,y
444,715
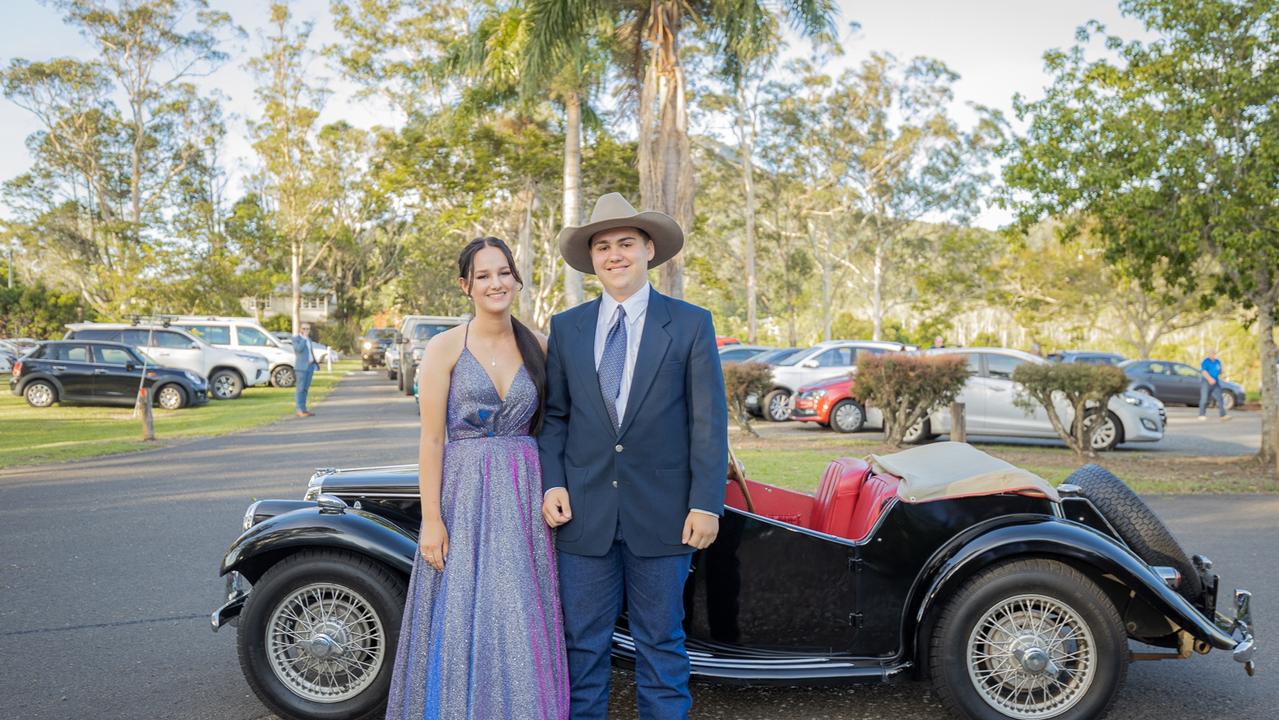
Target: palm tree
x,y
650,31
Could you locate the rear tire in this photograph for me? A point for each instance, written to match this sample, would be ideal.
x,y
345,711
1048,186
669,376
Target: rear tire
x,y
1004,632
1137,524
40,394
847,417
409,373
323,590
919,433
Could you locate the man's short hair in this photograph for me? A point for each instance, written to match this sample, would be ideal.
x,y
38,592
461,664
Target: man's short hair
x,y
646,237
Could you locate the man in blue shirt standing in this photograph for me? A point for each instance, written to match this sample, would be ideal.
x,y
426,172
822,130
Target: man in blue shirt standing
x,y
304,366
1210,385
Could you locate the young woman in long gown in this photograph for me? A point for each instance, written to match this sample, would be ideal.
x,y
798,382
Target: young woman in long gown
x,y
482,635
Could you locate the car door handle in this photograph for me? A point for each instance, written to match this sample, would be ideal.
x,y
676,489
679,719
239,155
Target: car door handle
x,y
59,368
99,371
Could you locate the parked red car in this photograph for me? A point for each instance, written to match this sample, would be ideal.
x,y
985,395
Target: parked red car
x,y
830,404
722,340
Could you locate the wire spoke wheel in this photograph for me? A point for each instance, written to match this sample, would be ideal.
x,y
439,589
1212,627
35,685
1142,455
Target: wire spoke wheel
x,y
325,642
1031,656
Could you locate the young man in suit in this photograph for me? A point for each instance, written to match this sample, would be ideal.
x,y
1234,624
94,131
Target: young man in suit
x,y
634,455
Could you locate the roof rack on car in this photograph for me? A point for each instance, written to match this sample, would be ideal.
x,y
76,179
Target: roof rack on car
x,y
161,320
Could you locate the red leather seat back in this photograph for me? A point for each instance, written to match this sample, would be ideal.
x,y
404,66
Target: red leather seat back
x,y
876,492
837,496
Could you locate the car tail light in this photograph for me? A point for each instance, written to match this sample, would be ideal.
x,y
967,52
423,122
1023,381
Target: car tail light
x,y
17,368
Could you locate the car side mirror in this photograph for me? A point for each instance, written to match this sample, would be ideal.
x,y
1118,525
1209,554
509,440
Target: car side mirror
x,y
130,366
809,364
398,338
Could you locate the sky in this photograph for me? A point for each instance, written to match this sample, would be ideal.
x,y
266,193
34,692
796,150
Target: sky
x,y
995,46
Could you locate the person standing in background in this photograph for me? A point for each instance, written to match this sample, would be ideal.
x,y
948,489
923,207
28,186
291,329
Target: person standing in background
x,y
1210,385
304,366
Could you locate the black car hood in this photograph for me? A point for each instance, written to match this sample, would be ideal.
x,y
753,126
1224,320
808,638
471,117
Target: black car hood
x,y
394,479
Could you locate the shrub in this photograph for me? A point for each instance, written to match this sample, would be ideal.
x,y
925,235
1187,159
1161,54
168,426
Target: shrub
x,y
1085,389
906,388
740,380
39,312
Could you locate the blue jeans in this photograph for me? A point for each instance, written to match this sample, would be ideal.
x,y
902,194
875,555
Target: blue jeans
x,y
1213,391
302,387
591,589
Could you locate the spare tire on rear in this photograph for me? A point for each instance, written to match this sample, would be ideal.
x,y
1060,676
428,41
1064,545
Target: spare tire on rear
x,y
1137,524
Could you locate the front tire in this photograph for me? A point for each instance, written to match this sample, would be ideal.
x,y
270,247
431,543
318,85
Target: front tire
x,y
40,394
1029,639
170,397
318,633
283,377
777,406
1108,434
410,372
225,384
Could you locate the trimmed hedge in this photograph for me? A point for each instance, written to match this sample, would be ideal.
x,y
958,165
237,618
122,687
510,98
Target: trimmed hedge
x,y
907,388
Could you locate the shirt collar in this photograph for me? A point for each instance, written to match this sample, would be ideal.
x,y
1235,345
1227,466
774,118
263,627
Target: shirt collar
x,y
635,305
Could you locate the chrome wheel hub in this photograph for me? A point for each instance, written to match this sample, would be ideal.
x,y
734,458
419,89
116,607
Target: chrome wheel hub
x,y
1103,434
1031,656
848,416
40,395
779,408
224,386
325,643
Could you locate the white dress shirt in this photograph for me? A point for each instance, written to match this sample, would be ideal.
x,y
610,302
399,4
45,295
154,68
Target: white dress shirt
x,y
636,309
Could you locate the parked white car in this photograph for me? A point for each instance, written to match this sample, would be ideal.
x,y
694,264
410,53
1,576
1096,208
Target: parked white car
x,y
228,371
990,406
246,335
833,358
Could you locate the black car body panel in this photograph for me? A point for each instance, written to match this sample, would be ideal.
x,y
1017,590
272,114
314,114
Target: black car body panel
x,y
100,373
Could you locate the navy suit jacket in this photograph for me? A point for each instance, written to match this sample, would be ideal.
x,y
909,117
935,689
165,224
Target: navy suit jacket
x,y
671,453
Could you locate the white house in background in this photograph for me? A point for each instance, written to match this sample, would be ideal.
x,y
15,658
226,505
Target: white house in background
x,y
316,304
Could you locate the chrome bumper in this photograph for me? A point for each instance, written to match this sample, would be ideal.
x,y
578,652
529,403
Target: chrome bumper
x,y
1239,628
237,592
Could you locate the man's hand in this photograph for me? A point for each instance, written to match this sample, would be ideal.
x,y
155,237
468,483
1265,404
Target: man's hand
x,y
700,529
555,507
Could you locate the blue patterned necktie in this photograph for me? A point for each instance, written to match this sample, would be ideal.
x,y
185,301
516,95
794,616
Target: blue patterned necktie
x,y
612,362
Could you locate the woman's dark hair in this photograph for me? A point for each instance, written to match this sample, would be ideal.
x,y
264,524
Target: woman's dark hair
x,y
530,349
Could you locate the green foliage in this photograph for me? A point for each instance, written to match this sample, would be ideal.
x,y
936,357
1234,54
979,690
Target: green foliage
x,y
907,388
740,380
39,312
1085,390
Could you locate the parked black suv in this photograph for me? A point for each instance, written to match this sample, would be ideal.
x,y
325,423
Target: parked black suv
x,y
101,373
373,346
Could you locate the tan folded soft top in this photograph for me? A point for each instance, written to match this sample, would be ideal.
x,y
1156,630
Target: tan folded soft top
x,y
951,469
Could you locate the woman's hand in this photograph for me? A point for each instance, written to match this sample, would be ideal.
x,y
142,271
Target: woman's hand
x,y
433,543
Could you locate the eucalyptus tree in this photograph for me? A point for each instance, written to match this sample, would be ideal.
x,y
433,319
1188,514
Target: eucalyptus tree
x,y
1170,147
652,35
116,133
284,138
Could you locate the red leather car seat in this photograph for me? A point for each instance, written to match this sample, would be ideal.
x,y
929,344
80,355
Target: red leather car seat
x,y
876,492
835,506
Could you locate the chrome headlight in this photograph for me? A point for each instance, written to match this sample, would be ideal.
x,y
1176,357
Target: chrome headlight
x,y
1133,399
368,345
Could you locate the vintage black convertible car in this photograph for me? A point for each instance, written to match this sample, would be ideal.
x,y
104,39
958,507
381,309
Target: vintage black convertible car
x,y
1017,599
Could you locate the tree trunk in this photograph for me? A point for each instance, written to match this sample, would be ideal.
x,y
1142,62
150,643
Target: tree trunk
x,y
1269,387
877,292
746,138
824,257
295,267
524,253
572,188
665,157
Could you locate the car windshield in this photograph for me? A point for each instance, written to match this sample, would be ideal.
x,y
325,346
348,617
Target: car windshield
x,y
426,331
791,359
380,334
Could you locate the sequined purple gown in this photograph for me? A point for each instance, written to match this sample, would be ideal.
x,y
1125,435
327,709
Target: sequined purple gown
x,y
484,639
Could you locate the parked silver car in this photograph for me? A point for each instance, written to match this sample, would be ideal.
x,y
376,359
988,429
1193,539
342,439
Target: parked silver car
x,y
990,406
822,361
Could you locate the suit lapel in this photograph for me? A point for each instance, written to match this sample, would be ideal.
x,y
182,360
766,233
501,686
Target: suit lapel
x,y
652,349
582,360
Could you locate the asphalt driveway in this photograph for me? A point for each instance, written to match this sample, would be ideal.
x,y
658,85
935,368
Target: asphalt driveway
x,y
109,572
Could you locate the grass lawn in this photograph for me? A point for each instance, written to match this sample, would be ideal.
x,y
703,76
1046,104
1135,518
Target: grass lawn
x,y
30,436
797,463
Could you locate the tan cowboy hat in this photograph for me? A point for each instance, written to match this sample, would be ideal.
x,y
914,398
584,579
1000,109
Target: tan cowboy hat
x,y
612,211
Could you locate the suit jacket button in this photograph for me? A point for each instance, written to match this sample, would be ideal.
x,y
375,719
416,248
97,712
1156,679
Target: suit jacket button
x,y
617,448
614,483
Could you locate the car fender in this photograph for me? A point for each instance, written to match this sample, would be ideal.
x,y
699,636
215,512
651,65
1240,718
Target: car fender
x,y
1019,536
47,377
262,545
